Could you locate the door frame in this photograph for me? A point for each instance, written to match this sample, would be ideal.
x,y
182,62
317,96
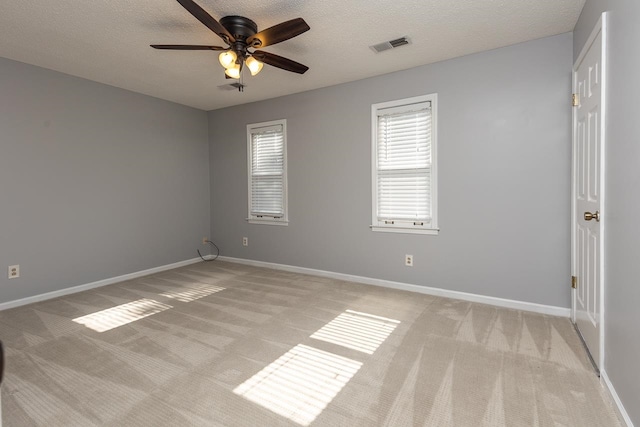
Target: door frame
x,y
600,27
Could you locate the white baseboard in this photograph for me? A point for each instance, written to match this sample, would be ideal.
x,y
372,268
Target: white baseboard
x,y
622,413
500,302
99,283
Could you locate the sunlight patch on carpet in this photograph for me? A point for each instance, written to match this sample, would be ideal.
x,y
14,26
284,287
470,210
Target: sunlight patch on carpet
x,y
193,293
299,384
119,315
358,331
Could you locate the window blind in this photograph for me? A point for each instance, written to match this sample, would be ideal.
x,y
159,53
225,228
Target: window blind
x,y
404,164
267,172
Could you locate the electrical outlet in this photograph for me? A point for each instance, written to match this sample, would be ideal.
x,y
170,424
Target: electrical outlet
x,y
408,260
245,241
205,240
14,271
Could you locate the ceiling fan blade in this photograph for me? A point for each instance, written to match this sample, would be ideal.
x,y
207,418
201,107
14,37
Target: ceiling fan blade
x,y
278,33
280,62
187,47
202,16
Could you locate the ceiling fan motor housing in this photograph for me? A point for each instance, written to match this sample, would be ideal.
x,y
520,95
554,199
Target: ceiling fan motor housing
x,y
240,28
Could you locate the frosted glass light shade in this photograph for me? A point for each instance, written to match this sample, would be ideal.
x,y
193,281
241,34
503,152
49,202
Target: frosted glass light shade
x,y
227,58
233,71
254,65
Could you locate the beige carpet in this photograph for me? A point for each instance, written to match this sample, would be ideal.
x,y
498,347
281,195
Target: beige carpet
x,y
220,344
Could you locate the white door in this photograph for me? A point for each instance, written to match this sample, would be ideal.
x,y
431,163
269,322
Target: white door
x,y
588,173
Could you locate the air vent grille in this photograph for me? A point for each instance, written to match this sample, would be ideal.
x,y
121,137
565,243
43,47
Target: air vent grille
x,y
380,47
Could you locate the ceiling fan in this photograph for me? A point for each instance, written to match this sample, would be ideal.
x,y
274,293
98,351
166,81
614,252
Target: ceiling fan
x,y
241,34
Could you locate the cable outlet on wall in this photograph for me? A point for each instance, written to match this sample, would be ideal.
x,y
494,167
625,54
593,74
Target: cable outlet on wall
x,y
14,271
205,240
245,241
408,260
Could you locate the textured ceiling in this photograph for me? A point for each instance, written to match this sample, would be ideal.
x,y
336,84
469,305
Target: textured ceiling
x,y
108,40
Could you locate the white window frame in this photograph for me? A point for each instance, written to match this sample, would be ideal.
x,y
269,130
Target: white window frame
x,y
405,226
265,218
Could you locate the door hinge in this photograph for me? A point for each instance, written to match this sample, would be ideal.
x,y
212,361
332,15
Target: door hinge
x,y
575,100
574,282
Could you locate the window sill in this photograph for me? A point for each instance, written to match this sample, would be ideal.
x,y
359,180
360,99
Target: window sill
x,y
266,222
429,231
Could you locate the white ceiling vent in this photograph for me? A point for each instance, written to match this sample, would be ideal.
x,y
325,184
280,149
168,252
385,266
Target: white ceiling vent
x,y
390,44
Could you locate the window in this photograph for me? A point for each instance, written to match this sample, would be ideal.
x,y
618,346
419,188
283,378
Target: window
x,y
404,165
267,152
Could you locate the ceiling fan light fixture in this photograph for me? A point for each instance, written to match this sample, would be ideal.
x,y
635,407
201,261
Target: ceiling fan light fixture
x,y
227,58
254,65
233,71
239,34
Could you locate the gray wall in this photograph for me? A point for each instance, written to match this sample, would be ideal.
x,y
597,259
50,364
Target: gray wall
x,y
622,253
504,177
95,181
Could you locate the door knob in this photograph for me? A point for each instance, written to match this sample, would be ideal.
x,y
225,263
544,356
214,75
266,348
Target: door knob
x,y
588,216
